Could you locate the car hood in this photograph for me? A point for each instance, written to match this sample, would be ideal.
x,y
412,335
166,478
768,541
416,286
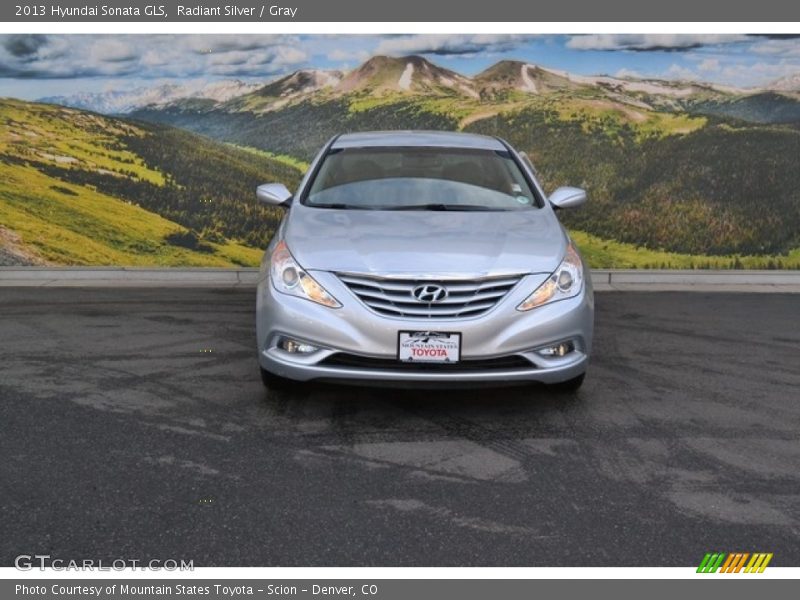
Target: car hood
x,y
447,242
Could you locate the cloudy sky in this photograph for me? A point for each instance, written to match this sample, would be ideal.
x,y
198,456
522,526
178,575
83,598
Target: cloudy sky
x,y
32,66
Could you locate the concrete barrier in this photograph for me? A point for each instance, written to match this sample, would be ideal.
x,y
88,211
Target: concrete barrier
x,y
603,279
126,277
696,280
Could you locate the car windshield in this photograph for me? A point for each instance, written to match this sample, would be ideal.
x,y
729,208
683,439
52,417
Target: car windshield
x,y
420,179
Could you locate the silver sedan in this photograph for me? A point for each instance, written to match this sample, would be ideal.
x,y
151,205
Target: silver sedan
x,y
422,258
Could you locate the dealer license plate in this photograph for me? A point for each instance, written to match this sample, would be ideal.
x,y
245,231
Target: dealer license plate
x,y
429,346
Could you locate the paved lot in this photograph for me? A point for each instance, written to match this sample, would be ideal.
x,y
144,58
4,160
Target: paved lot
x,y
133,424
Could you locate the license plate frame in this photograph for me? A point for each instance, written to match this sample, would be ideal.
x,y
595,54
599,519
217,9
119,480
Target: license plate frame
x,y
448,342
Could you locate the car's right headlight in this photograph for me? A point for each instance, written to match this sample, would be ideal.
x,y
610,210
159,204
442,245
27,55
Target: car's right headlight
x,y
565,282
290,278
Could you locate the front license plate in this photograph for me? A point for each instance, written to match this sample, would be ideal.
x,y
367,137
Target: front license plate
x,y
429,346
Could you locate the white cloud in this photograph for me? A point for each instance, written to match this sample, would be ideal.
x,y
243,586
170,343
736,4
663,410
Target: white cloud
x,y
789,48
446,44
260,63
738,74
111,50
289,55
151,56
758,74
348,55
650,41
679,72
708,65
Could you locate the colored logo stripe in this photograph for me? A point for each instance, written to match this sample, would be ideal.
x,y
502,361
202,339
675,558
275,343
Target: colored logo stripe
x,y
734,562
711,562
758,563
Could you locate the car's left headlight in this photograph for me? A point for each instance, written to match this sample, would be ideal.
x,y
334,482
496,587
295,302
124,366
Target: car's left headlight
x,y
290,278
565,282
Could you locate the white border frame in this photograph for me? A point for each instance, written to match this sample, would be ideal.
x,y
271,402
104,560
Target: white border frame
x,y
373,28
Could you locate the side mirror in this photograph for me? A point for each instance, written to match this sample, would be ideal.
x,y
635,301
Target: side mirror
x,y
274,194
567,197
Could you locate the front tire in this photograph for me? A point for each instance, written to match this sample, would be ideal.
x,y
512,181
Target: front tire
x,y
275,382
570,385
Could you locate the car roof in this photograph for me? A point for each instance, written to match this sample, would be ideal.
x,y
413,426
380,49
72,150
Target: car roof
x,y
440,139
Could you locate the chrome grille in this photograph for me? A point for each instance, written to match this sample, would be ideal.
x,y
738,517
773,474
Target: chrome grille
x,y
393,297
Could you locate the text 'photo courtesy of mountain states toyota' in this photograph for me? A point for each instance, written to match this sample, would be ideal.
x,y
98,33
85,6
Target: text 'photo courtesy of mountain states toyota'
x,y
424,259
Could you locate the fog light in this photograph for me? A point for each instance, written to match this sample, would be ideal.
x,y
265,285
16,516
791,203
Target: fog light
x,y
558,350
295,347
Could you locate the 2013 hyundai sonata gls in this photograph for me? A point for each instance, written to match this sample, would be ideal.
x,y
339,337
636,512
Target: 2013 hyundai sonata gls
x,y
422,258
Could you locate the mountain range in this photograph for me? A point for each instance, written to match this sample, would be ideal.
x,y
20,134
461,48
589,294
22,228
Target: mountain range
x,y
125,101
778,101
789,83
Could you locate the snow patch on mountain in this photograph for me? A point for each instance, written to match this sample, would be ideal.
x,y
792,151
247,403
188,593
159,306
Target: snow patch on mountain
x,y
405,79
789,83
528,84
125,101
222,91
329,78
675,89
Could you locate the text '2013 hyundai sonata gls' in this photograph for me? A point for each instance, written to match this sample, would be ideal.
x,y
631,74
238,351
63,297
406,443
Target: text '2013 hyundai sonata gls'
x,y
422,258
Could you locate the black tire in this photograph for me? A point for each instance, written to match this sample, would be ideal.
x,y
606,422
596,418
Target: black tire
x,y
276,382
570,385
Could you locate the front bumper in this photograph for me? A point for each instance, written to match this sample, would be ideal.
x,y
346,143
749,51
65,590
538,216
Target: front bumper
x,y
359,346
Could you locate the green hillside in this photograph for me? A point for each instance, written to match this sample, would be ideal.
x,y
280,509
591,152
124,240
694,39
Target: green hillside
x,y
609,254
766,107
720,189
81,188
301,127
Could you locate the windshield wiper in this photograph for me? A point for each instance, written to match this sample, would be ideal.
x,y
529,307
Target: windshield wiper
x,y
432,206
341,206
453,207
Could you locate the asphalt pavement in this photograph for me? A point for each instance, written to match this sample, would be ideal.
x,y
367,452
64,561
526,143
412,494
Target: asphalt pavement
x,y
133,424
